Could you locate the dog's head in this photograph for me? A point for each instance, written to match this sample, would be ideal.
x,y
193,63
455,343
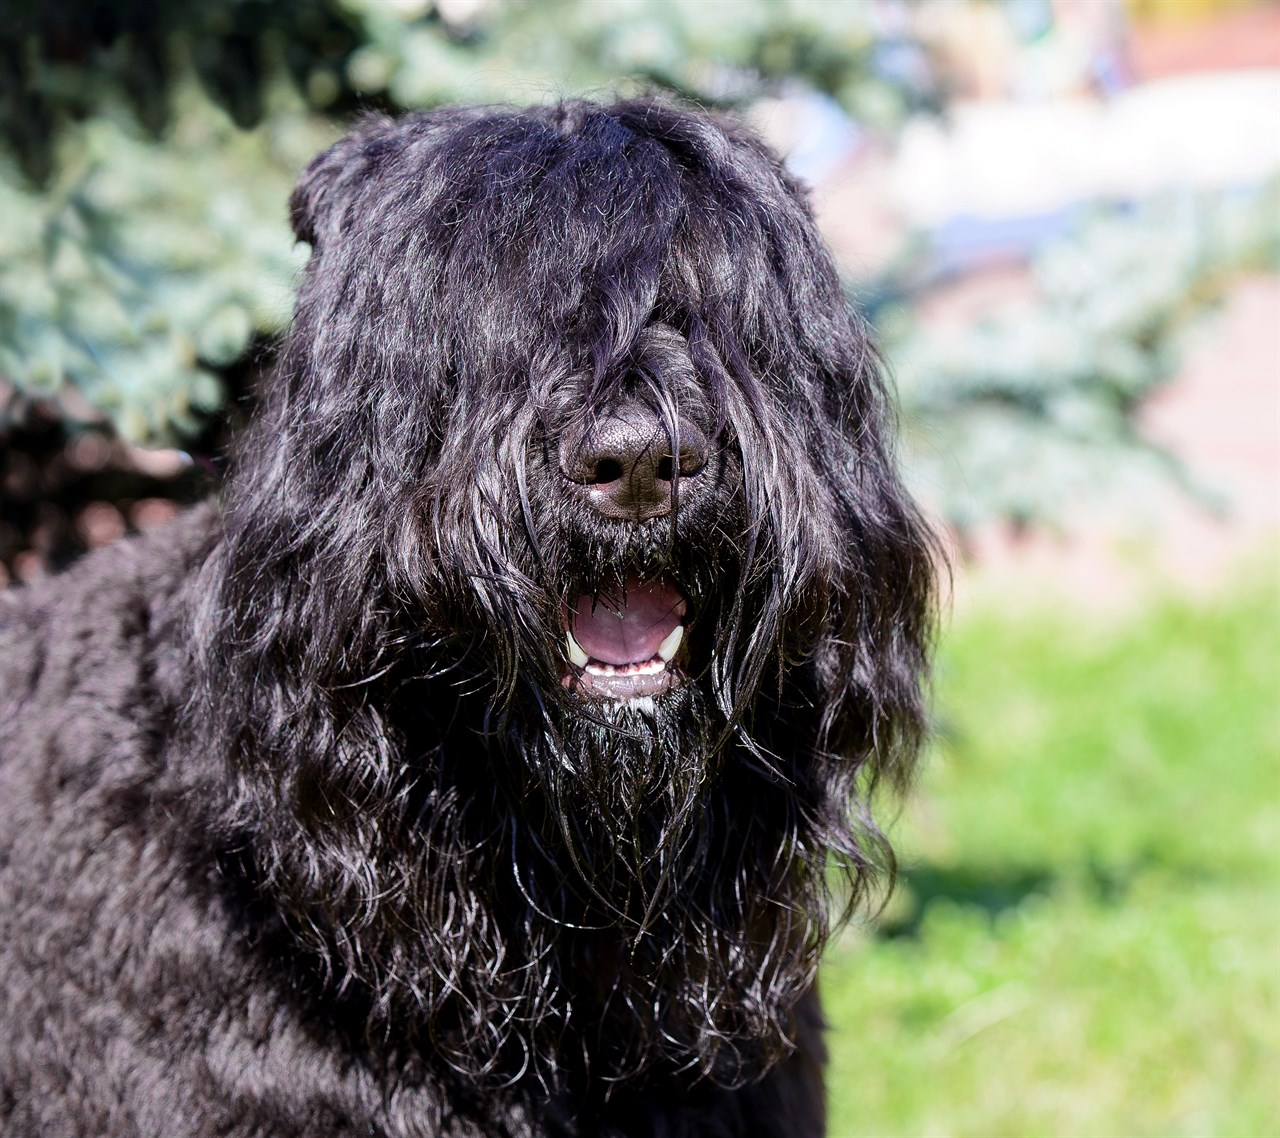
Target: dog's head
x,y
568,545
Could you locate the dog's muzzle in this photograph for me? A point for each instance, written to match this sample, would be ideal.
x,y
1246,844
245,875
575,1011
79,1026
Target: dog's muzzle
x,y
626,645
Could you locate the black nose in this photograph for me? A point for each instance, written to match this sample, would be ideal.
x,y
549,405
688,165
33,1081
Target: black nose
x,y
625,461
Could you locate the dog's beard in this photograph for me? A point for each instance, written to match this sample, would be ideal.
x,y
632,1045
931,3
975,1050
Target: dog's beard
x,y
670,949
626,783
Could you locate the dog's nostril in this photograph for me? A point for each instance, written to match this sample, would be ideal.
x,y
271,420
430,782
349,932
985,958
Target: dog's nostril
x,y
607,470
665,468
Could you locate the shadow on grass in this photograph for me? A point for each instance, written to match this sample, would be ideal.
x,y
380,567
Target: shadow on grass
x,y
994,893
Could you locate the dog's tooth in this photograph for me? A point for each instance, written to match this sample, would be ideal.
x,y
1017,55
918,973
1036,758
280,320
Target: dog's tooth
x,y
576,654
671,644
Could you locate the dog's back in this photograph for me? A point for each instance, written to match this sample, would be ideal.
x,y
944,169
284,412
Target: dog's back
x,y
105,985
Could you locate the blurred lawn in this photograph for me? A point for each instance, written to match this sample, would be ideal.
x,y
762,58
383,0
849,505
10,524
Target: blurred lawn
x,y
1087,939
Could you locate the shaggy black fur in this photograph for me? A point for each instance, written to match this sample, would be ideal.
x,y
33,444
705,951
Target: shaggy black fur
x,y
308,825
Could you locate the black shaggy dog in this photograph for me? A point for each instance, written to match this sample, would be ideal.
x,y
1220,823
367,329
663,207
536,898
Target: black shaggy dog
x,y
482,762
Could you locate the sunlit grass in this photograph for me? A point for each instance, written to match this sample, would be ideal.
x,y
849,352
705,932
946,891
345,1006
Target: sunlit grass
x,y
1087,940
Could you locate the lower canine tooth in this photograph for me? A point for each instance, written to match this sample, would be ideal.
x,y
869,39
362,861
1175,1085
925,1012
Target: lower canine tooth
x,y
576,654
671,644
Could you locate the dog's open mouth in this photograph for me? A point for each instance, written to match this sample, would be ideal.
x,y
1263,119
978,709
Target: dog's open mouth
x,y
626,644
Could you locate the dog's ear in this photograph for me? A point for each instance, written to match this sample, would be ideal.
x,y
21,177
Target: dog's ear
x,y
315,206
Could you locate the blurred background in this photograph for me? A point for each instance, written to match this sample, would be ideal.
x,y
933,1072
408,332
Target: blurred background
x,y
1063,217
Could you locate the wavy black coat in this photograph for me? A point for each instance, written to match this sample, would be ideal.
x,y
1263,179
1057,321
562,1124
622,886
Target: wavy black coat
x,y
306,828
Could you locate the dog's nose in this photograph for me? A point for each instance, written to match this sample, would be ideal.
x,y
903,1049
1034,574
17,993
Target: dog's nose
x,y
625,462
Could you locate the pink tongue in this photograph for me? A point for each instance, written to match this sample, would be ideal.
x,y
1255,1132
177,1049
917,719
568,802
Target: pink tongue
x,y
627,631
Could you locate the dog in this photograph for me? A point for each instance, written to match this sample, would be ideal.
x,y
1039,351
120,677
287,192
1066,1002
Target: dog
x,y
495,754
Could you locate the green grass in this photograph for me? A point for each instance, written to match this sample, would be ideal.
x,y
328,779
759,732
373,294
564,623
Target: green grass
x,y
1087,937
